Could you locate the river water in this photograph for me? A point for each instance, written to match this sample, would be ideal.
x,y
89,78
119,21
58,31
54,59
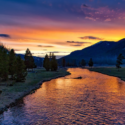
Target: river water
x,y
94,99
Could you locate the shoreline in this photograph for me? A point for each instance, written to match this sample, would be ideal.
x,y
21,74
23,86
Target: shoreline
x,y
30,90
110,71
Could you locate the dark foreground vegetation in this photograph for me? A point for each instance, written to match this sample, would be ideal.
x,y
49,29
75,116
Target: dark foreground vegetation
x,y
50,62
19,77
19,89
11,66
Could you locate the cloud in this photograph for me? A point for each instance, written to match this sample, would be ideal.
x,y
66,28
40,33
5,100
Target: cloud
x,y
90,18
76,43
44,49
84,6
17,49
38,53
5,35
44,46
108,20
91,38
59,52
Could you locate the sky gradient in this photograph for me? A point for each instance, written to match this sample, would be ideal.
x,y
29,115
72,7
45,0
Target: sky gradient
x,y
60,26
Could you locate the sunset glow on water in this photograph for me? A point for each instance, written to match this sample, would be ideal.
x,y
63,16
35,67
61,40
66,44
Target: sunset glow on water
x,y
94,99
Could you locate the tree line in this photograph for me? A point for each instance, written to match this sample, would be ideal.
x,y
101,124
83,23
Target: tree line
x,y
12,66
50,62
82,63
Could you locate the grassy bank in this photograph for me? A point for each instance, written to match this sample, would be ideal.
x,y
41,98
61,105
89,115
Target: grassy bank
x,y
10,94
111,72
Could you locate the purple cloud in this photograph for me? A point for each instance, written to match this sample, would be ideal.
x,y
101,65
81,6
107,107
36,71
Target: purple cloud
x,y
91,38
5,35
44,46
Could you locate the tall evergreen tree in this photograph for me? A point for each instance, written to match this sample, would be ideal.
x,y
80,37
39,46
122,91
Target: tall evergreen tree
x,y
50,56
12,63
5,65
54,64
21,72
119,61
90,62
46,63
32,63
29,61
83,63
63,62
27,58
3,62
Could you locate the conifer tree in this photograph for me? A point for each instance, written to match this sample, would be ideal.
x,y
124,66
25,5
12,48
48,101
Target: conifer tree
x,y
21,72
32,64
50,56
119,61
90,62
3,62
5,65
12,63
27,58
29,61
46,63
54,64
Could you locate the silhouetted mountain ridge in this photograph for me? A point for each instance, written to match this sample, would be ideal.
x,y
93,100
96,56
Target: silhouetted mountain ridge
x,y
103,52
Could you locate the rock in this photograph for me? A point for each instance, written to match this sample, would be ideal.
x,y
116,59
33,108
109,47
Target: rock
x,y
78,77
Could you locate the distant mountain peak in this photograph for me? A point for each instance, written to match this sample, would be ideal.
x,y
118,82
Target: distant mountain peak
x,y
122,40
104,43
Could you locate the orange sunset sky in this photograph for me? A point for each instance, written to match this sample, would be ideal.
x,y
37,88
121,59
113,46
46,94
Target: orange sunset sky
x,y
60,26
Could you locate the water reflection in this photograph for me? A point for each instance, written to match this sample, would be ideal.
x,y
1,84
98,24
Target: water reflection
x,y
95,99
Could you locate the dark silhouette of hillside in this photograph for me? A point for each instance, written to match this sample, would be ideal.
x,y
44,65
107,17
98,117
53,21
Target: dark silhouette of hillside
x,y
103,52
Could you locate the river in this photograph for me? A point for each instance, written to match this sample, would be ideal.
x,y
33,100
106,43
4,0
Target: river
x,y
95,99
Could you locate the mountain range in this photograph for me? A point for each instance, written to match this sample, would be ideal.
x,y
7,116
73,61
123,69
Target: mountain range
x,y
103,52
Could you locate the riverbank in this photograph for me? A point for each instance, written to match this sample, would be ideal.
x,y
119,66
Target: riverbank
x,y
111,71
11,94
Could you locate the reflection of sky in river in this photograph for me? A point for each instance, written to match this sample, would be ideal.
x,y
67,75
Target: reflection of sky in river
x,y
95,99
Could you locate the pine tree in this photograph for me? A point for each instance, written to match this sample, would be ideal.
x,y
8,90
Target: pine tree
x,y
46,63
63,62
50,56
54,64
119,61
83,62
12,63
21,72
5,65
90,62
32,64
29,61
3,62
